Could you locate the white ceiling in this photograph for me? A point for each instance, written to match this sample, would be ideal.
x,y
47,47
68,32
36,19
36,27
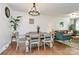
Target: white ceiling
x,y
54,9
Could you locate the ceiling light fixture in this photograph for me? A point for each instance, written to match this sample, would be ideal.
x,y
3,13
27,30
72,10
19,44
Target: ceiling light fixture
x,y
34,11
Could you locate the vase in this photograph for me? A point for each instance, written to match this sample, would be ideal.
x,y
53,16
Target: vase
x,y
38,29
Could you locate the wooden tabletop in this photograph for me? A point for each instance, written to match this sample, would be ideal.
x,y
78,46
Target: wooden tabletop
x,y
32,33
41,33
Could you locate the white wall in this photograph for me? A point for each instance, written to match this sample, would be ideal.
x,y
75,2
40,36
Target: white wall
x,y
43,21
4,29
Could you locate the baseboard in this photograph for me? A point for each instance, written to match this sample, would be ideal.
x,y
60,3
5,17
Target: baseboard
x,y
4,47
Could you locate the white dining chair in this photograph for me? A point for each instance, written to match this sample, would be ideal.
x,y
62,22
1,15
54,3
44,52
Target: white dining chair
x,y
20,40
48,39
34,40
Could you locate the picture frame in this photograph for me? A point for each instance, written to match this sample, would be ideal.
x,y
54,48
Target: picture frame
x,y
7,12
31,21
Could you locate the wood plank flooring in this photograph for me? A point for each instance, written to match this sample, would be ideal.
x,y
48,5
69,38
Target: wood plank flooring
x,y
58,49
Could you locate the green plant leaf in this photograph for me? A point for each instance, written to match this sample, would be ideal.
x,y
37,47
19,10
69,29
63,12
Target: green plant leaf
x,y
12,21
17,20
12,18
18,16
16,24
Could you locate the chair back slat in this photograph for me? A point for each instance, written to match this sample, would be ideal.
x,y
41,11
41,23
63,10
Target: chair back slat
x,y
34,37
47,36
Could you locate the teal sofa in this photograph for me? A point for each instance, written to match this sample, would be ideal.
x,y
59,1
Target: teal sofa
x,y
61,36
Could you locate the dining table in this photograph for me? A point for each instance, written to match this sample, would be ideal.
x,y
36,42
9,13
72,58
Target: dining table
x,y
28,38
33,33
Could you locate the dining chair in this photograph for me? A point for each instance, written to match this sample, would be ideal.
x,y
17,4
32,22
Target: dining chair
x,y
48,39
20,40
34,40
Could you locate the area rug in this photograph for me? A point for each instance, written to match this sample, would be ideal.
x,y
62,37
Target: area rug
x,y
71,43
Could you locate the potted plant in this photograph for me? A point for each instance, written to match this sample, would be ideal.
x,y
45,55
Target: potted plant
x,y
14,23
62,24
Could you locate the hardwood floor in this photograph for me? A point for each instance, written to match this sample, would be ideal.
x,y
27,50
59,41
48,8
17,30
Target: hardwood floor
x,y
58,49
